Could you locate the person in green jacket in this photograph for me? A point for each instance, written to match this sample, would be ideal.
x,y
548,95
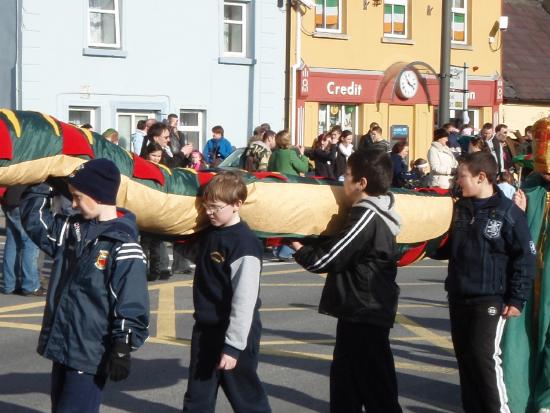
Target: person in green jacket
x,y
526,339
285,159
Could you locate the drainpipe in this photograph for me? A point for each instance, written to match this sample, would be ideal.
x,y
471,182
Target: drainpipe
x,y
295,67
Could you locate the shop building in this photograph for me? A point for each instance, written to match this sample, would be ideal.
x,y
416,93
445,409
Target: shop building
x,y
354,62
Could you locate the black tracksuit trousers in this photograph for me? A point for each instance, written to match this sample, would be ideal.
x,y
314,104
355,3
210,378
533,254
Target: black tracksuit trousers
x,y
362,373
476,330
241,385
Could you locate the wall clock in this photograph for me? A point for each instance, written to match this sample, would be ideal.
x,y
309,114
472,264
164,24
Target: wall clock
x,y
407,84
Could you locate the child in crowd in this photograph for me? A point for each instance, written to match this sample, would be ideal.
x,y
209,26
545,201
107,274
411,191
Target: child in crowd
x,y
491,270
506,183
153,152
197,161
153,246
360,289
97,308
226,335
419,176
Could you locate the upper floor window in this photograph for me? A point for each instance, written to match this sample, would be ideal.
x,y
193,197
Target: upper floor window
x,y
459,21
235,28
104,23
328,15
395,18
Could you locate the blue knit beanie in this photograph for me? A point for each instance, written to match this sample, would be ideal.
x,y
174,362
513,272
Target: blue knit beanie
x,y
99,179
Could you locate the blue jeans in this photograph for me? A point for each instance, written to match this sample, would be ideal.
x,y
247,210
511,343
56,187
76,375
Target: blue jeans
x,y
283,252
20,256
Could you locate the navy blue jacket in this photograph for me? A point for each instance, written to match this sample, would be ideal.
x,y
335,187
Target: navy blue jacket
x,y
490,251
227,283
97,293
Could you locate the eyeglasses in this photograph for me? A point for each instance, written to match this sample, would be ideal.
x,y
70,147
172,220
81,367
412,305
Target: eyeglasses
x,y
212,209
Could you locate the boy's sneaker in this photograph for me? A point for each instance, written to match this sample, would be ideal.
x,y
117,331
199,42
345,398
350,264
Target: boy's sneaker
x,y
39,292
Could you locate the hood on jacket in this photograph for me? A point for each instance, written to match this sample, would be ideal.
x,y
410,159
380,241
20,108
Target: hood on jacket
x,y
121,228
384,205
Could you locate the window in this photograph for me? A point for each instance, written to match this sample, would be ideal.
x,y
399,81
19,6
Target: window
x,y
328,15
127,122
234,28
337,114
459,21
104,23
79,116
192,125
395,18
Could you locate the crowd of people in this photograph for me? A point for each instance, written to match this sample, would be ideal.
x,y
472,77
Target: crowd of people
x,y
490,274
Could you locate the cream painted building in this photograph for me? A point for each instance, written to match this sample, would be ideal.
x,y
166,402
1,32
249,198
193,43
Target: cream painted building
x,y
354,62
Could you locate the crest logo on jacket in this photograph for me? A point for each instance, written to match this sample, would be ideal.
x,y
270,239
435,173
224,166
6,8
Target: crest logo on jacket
x,y
101,260
492,229
217,257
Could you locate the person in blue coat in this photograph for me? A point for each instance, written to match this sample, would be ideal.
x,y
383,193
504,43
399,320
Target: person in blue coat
x,y
218,148
97,307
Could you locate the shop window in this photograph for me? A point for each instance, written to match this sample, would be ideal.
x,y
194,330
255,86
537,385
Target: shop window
x,y
235,16
104,24
192,125
79,115
127,123
396,18
337,114
459,18
328,16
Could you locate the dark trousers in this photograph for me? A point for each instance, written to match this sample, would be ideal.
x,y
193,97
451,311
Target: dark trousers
x,y
156,253
362,373
75,392
476,330
241,385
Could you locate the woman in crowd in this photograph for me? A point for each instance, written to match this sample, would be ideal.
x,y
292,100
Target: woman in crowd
x,y
442,161
399,154
285,159
153,247
477,144
324,155
343,151
111,135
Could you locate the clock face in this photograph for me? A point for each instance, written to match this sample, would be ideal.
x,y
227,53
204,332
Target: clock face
x,y
407,85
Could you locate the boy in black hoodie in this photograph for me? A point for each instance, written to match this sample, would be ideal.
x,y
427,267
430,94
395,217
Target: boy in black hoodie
x,y
491,269
360,288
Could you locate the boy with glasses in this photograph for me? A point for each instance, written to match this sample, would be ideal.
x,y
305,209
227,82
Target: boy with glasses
x,y
226,336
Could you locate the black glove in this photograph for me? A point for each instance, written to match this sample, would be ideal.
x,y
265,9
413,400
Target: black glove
x,y
118,366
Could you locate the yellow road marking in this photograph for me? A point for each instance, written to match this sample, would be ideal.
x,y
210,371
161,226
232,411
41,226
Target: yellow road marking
x,y
423,332
261,310
20,326
185,283
24,315
285,272
422,367
166,317
22,307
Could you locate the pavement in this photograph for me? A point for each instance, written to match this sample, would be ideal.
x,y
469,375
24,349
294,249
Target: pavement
x,y
296,348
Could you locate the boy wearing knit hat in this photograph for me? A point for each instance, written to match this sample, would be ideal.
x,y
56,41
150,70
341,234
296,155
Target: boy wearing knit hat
x,y
97,308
